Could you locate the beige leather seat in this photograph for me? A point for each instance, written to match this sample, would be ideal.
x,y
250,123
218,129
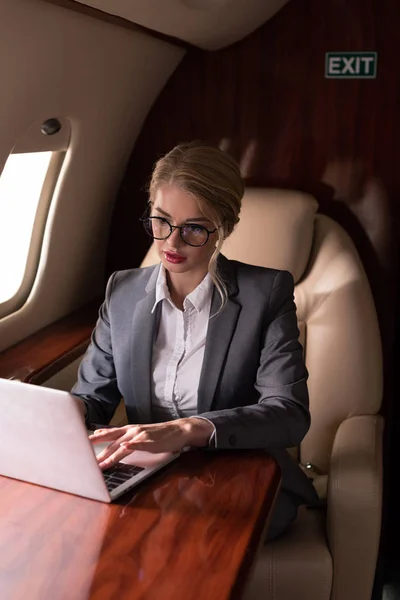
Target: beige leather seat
x,y
329,553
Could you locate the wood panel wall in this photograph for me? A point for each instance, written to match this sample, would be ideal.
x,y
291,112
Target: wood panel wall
x,y
266,100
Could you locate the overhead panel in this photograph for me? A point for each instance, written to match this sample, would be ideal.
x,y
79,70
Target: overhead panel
x,y
208,24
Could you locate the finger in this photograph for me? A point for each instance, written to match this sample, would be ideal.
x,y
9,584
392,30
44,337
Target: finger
x,y
114,458
114,446
106,452
131,445
106,435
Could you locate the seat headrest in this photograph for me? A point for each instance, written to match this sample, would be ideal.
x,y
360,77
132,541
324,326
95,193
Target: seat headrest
x,y
275,230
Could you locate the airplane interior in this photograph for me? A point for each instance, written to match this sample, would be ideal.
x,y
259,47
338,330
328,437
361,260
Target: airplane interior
x,y
303,94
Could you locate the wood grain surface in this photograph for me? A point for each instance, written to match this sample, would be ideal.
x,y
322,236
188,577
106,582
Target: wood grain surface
x,y
189,532
41,355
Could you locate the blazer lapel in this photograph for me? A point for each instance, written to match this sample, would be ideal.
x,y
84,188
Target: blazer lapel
x,y
144,328
219,335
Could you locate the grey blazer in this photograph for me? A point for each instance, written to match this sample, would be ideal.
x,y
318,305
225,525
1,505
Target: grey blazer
x,y
253,379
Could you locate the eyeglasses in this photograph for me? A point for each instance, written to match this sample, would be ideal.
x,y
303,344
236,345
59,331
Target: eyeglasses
x,y
191,233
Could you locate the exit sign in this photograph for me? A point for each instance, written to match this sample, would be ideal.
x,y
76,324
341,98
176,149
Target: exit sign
x,y
351,65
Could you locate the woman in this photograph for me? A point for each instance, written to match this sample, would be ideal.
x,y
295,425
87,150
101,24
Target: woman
x,y
203,350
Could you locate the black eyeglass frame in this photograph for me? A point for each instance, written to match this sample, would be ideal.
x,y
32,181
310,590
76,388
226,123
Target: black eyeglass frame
x,y
180,227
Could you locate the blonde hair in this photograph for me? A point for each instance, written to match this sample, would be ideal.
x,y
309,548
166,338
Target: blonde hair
x,y
213,177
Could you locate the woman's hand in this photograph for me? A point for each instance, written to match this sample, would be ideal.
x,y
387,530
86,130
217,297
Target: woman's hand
x,y
172,436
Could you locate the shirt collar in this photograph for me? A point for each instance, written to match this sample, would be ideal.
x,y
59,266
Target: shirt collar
x,y
162,291
199,298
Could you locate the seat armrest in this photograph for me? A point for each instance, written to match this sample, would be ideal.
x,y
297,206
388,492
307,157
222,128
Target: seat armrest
x,y
354,506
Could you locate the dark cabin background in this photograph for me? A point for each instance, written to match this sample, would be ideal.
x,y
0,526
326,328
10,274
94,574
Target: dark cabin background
x,y
266,100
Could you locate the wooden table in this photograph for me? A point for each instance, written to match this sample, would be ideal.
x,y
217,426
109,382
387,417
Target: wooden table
x,y
189,532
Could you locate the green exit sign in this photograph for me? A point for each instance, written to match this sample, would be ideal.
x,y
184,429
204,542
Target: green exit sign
x,y
351,65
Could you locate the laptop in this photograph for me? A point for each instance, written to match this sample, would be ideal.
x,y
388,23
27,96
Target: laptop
x,y
43,440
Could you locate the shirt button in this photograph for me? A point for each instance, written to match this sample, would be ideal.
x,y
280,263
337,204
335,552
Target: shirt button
x,y
232,440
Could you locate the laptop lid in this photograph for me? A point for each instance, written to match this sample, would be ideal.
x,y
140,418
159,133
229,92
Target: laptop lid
x,y
43,440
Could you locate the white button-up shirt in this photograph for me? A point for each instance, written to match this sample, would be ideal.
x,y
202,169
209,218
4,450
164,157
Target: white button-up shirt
x,y
178,350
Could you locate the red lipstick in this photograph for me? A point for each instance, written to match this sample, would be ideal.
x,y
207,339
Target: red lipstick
x,y
174,258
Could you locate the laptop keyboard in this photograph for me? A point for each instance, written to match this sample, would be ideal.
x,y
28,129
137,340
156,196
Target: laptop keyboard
x,y
118,474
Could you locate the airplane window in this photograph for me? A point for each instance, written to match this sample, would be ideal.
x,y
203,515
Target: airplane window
x,y
21,184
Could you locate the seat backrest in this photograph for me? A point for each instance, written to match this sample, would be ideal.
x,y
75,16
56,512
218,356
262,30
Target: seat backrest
x,y
336,313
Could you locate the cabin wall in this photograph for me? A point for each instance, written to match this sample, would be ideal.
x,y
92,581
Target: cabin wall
x,y
266,100
103,79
